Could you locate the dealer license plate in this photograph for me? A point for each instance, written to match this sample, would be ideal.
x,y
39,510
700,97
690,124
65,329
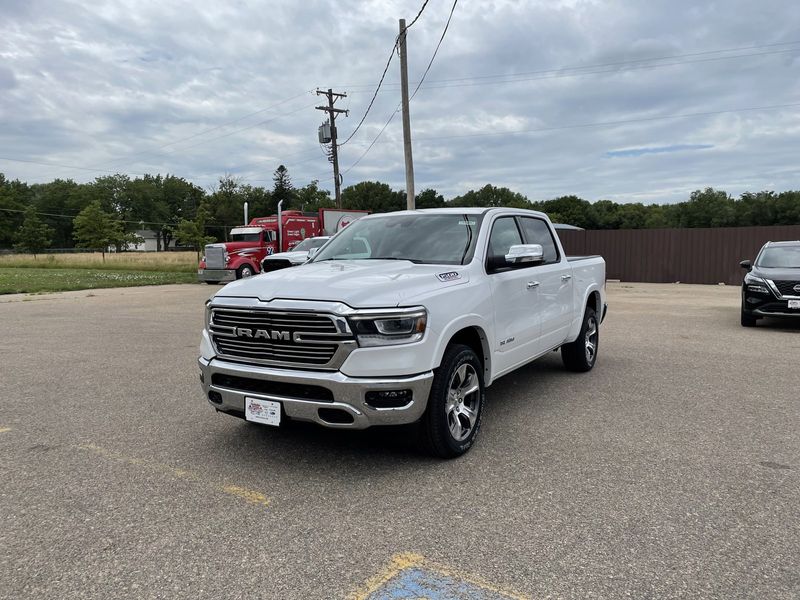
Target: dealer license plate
x,y
265,412
794,303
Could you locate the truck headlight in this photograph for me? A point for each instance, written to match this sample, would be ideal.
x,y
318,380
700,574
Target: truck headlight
x,y
756,284
389,327
208,315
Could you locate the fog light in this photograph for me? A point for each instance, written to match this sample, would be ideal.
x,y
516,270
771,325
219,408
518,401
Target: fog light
x,y
388,398
215,397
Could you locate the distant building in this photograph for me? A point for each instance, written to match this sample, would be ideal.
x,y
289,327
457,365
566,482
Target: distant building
x,y
150,241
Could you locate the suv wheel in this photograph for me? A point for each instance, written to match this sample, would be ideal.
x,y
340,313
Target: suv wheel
x,y
748,320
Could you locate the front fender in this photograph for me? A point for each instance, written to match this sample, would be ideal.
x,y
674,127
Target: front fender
x,y
469,321
237,261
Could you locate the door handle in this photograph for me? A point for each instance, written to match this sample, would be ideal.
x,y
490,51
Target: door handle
x,y
532,284
566,277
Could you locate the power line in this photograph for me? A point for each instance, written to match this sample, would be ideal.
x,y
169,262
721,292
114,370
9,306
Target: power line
x,y
383,75
611,64
433,57
133,222
611,123
391,117
556,75
62,166
205,131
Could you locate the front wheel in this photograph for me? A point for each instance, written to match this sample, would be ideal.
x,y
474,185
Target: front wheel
x,y
580,355
453,416
244,271
748,320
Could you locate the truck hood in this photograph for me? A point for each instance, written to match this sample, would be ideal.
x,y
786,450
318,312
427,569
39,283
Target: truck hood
x,y
297,258
357,283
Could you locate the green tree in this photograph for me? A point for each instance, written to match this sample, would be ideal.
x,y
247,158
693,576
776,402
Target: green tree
x,y
373,196
283,190
33,236
13,200
571,210
312,198
490,196
193,233
428,198
94,228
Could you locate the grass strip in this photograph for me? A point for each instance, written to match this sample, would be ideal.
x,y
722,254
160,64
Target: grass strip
x,y
30,281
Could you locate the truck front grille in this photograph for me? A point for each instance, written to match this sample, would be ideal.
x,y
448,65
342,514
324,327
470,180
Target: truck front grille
x,y
215,257
786,288
278,338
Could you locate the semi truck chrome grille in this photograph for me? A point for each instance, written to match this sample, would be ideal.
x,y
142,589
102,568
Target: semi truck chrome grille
x,y
280,338
215,257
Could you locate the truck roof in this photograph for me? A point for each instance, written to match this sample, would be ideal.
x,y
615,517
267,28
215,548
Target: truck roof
x,y
465,210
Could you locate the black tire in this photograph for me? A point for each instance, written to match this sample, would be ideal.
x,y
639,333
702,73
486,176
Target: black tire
x,y
748,320
245,271
581,355
449,413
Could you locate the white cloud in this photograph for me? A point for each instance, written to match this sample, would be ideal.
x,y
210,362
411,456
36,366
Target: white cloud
x,y
112,85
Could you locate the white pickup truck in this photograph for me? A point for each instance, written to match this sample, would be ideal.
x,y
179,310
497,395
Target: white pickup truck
x,y
402,318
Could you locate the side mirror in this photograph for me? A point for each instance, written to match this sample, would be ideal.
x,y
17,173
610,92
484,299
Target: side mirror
x,y
746,264
525,253
312,253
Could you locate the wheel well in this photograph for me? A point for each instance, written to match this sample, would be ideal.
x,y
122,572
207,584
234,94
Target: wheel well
x,y
474,338
594,302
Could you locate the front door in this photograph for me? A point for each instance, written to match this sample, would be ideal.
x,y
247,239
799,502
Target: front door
x,y
517,318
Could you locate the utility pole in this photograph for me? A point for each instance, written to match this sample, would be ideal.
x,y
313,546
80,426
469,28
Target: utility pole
x,y
334,158
406,118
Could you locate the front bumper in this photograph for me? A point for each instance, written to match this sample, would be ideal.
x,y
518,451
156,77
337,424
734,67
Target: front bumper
x,y
216,275
348,394
758,304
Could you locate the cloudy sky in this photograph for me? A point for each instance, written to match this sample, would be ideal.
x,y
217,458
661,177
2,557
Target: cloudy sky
x,y
626,100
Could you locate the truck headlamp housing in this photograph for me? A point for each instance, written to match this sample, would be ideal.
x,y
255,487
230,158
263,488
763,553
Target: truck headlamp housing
x,y
389,327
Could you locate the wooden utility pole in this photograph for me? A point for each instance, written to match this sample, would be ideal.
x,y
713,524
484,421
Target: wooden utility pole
x,y
406,118
332,112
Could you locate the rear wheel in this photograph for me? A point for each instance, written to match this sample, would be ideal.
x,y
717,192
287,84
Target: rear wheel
x,y
580,355
244,271
453,416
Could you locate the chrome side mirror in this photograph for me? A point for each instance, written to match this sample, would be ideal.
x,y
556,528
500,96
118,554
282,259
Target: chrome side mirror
x,y
525,253
312,253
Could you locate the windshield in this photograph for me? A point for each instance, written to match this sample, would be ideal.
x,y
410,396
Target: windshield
x,y
309,243
780,257
447,239
245,237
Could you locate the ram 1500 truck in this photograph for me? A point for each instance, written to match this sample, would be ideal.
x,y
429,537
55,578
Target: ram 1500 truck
x,y
403,317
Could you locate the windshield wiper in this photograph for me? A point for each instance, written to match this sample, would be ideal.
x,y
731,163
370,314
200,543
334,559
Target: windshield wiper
x,y
413,260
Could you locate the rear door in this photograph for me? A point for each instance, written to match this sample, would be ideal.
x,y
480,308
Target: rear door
x,y
514,298
554,274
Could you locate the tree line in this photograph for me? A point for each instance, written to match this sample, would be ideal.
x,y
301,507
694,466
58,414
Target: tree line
x,y
109,210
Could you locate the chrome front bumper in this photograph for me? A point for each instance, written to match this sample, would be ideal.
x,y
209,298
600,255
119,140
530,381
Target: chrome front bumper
x,y
216,275
349,394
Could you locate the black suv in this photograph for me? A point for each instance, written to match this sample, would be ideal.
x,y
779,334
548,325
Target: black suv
x,y
771,287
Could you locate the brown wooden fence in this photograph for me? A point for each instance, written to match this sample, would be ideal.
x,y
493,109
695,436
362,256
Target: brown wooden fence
x,y
670,255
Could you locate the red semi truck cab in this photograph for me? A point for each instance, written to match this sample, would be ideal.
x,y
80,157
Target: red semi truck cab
x,y
248,244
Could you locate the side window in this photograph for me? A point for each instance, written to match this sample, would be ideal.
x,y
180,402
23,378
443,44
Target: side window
x,y
505,234
537,232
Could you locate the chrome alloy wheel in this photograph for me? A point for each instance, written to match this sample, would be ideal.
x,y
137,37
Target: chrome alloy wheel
x,y
590,341
463,402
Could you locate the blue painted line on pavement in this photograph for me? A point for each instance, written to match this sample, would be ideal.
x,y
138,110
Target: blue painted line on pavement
x,y
419,582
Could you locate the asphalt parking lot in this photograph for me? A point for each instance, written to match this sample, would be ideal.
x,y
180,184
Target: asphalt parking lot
x,y
671,470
